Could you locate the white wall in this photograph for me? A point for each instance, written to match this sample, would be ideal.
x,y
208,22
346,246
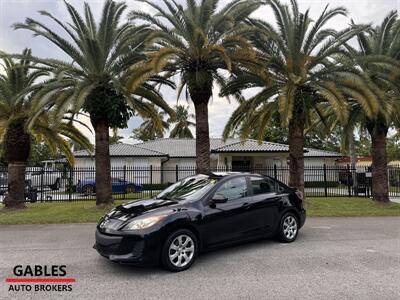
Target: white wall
x,y
186,166
137,169
141,173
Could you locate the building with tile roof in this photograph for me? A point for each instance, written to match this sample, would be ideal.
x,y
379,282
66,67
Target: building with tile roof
x,y
234,154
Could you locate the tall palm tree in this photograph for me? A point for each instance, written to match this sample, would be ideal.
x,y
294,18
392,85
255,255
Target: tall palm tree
x,y
115,138
150,130
97,74
378,61
182,127
297,73
198,42
20,122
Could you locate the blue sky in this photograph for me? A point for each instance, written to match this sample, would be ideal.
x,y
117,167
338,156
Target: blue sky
x,y
12,11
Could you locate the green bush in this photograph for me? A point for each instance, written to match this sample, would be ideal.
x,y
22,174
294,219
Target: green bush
x,y
320,184
70,188
394,178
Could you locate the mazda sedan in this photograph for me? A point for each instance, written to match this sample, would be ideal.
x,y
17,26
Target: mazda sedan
x,y
200,213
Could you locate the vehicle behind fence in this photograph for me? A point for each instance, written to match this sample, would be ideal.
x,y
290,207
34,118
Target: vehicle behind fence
x,y
79,184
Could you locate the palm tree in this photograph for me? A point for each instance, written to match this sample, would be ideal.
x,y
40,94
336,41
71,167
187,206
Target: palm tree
x,y
182,127
115,138
150,130
97,76
198,42
378,60
297,73
21,122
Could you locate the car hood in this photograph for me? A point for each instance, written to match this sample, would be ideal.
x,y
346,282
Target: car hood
x,y
123,214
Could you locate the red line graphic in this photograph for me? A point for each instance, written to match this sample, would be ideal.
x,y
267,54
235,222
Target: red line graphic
x,y
40,280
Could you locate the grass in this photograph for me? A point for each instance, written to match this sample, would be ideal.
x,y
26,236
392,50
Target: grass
x,y
56,212
86,211
349,207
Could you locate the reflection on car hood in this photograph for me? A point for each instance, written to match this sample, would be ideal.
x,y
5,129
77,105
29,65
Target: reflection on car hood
x,y
120,215
144,205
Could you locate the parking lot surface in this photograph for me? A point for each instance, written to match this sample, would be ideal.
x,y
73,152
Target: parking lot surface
x,y
333,258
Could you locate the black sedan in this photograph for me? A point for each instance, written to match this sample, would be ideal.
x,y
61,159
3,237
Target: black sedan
x,y
200,213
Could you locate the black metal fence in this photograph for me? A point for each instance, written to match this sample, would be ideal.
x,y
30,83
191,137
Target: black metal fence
x,y
78,184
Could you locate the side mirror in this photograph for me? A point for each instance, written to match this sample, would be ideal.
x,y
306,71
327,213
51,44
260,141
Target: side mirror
x,y
218,198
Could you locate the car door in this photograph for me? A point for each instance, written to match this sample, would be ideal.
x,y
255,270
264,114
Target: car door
x,y
117,185
265,202
230,221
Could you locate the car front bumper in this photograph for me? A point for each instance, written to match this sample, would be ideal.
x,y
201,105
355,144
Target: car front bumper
x,y
133,249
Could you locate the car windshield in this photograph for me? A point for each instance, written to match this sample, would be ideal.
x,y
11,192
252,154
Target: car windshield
x,y
189,188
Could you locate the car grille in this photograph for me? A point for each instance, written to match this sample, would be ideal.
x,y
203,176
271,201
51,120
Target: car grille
x,y
109,249
138,249
135,248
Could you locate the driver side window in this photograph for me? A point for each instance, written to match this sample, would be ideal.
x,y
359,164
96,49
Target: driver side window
x,y
233,189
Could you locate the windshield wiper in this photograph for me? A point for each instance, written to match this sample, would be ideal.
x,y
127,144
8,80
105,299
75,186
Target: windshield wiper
x,y
170,198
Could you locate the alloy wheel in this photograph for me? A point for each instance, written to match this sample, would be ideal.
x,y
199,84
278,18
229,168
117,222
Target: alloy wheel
x,y
87,190
290,227
181,251
130,189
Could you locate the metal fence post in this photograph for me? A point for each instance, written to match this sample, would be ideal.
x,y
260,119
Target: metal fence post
x,y
325,182
348,180
151,181
41,184
125,182
70,185
369,180
176,173
275,172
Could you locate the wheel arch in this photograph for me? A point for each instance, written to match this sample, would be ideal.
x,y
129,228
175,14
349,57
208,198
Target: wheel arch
x,y
291,210
285,211
188,226
93,186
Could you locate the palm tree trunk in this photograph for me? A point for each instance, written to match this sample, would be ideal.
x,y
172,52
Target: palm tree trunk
x,y
103,164
380,190
296,153
18,146
353,162
202,137
15,198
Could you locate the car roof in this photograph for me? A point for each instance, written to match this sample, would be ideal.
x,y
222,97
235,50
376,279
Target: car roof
x,y
230,174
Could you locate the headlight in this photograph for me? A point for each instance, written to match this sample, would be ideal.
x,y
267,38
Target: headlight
x,y
144,223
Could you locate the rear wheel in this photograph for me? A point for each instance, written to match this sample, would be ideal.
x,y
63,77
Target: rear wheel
x,y
179,250
130,189
88,190
288,228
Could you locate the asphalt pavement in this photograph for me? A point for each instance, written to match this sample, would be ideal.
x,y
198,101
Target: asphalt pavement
x,y
333,258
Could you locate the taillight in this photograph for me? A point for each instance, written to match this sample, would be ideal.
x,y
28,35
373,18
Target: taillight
x,y
299,195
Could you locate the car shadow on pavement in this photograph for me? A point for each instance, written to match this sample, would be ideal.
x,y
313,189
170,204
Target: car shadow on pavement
x,y
232,252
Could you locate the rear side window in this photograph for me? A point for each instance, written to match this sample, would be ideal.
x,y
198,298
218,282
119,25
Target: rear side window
x,y
262,185
233,189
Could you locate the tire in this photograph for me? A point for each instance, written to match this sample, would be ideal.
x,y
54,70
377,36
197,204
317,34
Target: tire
x,y
288,228
33,198
179,262
87,190
130,189
56,186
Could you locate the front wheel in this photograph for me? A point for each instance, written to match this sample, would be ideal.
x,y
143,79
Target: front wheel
x,y
56,186
179,251
288,228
